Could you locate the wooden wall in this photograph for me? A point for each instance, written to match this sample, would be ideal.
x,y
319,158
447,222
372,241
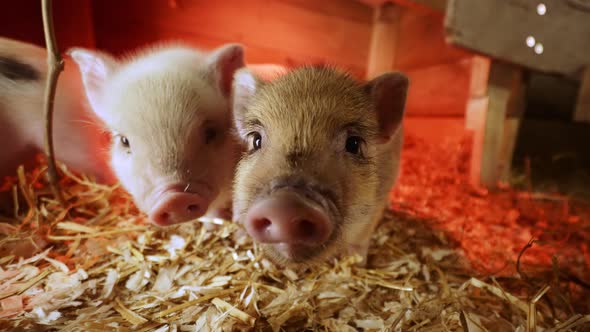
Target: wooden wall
x,y
22,20
440,74
289,32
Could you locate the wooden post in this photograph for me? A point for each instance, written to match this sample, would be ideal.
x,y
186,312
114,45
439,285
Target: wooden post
x,y
505,108
582,112
478,88
383,40
475,113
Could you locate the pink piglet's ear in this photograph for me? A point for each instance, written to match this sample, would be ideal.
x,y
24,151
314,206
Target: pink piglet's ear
x,y
224,62
388,93
95,68
245,85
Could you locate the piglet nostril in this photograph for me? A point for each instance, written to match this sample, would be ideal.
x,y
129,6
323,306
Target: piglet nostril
x,y
261,225
306,229
163,218
192,208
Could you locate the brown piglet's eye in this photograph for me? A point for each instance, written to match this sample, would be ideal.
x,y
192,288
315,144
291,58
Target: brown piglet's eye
x,y
353,144
256,141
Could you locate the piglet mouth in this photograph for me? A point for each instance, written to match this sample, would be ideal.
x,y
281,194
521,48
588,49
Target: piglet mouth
x,y
293,253
175,203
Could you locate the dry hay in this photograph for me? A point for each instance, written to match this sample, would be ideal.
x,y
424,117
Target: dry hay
x,y
104,268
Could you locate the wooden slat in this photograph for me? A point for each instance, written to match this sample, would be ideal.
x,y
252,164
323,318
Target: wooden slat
x,y
436,6
351,10
21,20
383,40
500,28
74,25
440,90
428,6
282,32
422,42
582,112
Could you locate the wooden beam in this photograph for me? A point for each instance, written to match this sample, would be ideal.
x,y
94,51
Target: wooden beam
x,y
426,6
582,112
430,6
383,40
502,118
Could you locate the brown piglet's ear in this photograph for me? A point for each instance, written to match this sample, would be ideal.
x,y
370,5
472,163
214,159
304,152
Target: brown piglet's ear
x,y
224,62
388,93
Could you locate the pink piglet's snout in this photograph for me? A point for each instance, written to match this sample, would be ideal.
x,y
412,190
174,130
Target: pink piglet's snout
x,y
174,205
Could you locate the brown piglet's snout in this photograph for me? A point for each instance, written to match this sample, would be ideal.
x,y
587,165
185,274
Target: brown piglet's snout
x,y
287,217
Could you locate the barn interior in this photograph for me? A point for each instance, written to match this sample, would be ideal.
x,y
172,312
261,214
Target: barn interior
x,y
489,228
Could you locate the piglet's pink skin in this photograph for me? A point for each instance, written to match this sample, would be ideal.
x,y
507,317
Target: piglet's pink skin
x,y
80,142
168,110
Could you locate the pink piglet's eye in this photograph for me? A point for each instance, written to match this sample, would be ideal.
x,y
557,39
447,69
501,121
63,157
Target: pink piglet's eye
x,y
124,141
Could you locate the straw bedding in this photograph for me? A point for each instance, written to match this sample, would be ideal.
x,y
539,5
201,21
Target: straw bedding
x,y
100,266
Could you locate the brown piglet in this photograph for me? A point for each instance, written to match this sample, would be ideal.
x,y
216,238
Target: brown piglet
x,y
322,154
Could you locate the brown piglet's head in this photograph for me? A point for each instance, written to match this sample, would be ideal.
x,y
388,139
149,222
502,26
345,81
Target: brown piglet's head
x,y
322,151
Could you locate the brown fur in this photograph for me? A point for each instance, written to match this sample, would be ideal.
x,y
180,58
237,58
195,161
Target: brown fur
x,y
304,118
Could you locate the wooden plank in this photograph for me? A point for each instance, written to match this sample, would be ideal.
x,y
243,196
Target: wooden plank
x,y
504,91
383,40
74,24
440,90
287,31
21,20
342,9
435,6
427,6
423,42
500,29
582,112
